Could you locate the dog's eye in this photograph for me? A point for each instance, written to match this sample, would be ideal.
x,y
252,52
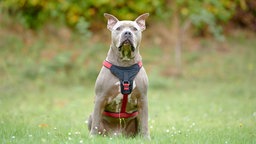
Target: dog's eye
x,y
134,29
118,28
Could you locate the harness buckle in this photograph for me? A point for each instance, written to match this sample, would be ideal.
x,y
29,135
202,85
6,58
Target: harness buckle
x,y
126,85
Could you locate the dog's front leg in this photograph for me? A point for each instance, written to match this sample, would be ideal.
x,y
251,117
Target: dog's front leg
x,y
142,84
97,115
143,116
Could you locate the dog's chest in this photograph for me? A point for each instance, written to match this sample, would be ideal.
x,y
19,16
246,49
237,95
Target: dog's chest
x,y
114,103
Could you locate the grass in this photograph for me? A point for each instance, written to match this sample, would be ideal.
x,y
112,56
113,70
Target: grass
x,y
47,100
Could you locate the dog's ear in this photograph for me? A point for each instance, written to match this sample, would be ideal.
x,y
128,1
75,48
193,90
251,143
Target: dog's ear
x,y
112,20
141,21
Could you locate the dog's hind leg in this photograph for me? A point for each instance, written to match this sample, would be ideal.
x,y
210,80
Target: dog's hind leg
x,y
89,124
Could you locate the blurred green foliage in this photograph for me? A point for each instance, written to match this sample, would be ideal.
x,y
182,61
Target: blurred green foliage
x,y
246,14
206,15
33,13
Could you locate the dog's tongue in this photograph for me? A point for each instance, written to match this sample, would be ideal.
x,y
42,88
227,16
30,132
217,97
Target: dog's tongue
x,y
126,52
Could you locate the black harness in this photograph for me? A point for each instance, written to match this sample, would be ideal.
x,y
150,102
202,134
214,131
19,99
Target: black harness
x,y
126,76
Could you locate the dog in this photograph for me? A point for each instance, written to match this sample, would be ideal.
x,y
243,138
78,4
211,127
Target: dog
x,y
121,104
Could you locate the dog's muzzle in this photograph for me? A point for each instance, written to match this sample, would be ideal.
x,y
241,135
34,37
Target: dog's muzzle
x,y
127,40
126,47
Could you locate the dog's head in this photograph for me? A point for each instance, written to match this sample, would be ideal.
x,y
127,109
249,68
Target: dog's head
x,y
126,35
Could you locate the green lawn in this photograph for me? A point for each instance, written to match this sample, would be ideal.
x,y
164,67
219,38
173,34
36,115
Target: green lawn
x,y
48,100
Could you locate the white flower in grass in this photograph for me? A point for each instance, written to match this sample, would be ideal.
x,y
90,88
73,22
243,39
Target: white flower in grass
x,y
13,137
99,133
30,135
55,128
115,134
69,138
151,127
77,133
167,130
81,141
111,138
69,133
153,121
48,133
254,114
192,125
43,140
86,121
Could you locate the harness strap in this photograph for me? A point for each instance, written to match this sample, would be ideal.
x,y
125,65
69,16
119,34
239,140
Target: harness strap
x,y
107,64
124,103
125,86
120,115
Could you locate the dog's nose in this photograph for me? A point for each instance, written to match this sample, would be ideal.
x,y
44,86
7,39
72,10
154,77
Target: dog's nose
x,y
127,34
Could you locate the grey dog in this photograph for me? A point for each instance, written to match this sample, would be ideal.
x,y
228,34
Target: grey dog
x,y
107,118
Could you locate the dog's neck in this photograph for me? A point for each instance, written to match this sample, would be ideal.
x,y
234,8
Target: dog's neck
x,y
115,58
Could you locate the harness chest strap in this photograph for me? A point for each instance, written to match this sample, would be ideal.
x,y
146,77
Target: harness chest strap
x,y
125,88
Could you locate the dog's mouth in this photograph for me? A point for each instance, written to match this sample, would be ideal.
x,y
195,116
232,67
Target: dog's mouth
x,y
126,48
125,43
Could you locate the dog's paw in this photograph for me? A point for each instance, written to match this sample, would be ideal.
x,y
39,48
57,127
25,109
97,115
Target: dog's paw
x,y
92,135
147,137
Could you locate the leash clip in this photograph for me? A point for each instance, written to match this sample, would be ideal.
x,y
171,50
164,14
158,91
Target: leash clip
x,y
126,85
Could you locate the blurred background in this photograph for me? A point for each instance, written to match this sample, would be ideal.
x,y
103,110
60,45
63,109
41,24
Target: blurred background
x,y
199,56
63,42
